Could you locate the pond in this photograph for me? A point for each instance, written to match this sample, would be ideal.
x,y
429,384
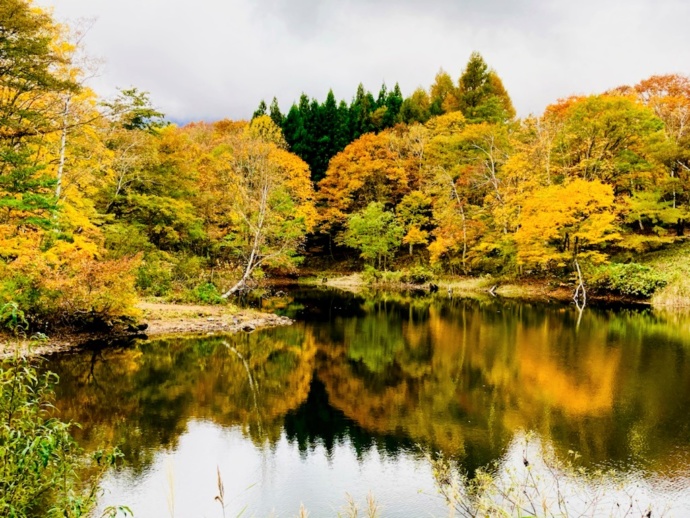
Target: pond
x,y
355,396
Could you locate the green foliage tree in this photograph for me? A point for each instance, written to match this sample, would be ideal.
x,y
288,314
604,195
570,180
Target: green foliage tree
x,y
375,233
394,102
152,183
133,110
327,128
606,137
275,113
261,110
294,131
481,95
30,86
443,94
29,64
361,110
316,132
416,108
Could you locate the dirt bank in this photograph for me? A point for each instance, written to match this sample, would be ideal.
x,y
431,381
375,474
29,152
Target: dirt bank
x,y
158,320
165,319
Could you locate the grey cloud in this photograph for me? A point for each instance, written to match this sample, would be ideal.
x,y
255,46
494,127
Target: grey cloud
x,y
305,17
217,58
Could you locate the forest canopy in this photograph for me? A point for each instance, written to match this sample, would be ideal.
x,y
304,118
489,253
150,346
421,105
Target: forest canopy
x,y
103,201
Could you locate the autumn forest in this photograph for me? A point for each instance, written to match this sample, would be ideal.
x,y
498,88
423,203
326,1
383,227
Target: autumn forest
x,y
103,200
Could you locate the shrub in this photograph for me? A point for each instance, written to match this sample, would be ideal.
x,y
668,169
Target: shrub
x,y
80,289
208,294
371,274
154,276
675,294
391,277
24,287
631,279
38,456
122,239
96,291
188,268
418,275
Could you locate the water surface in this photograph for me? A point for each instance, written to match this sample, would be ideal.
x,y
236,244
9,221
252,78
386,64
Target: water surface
x,y
352,397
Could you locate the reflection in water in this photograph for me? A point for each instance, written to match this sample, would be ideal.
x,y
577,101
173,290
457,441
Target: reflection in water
x,y
364,382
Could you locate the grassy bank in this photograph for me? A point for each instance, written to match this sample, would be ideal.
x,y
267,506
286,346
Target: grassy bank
x,y
674,265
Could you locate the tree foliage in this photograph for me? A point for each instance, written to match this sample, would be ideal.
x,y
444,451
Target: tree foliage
x,y
375,233
100,197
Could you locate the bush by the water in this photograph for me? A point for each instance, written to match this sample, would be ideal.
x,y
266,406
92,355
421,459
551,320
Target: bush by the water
x,y
414,275
631,279
418,275
81,291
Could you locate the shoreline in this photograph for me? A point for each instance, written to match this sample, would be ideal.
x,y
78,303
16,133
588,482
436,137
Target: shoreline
x,y
472,287
186,320
161,319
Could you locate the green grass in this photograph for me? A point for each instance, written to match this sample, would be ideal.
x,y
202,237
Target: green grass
x,y
674,264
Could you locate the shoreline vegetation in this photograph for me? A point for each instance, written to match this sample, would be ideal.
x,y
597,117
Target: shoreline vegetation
x,y
538,290
465,287
158,321
161,318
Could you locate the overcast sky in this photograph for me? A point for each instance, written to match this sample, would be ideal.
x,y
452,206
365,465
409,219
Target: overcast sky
x,y
211,59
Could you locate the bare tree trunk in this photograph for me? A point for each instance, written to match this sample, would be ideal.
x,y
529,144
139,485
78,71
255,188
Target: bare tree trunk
x,y
464,239
63,147
674,188
683,165
252,262
580,295
241,283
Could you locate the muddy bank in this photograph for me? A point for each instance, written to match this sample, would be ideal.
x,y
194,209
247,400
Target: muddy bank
x,y
158,320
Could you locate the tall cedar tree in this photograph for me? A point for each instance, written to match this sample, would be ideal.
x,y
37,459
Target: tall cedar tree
x,y
317,132
275,114
481,95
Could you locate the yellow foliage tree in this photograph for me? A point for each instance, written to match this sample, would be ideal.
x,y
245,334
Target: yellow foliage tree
x,y
560,223
255,198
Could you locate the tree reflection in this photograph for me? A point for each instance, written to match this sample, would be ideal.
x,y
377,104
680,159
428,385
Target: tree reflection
x,y
395,371
142,397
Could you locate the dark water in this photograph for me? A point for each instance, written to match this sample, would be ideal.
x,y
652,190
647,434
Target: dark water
x,y
352,397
